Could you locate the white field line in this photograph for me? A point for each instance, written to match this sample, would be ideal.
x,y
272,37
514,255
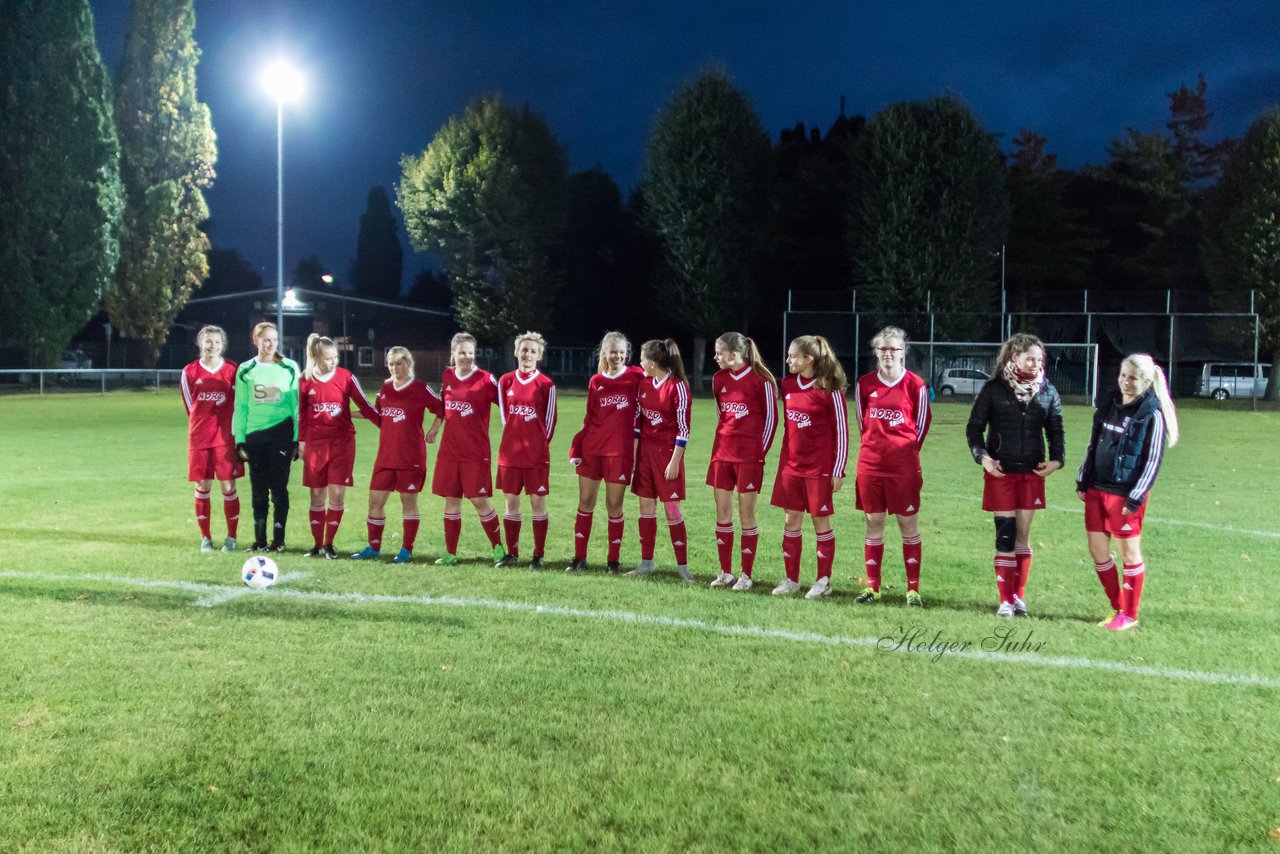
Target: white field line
x,y
1156,520
229,593
885,644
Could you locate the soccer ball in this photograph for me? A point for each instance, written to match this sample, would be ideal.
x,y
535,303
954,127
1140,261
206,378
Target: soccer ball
x,y
259,572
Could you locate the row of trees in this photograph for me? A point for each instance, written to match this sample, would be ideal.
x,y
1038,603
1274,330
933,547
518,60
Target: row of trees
x,y
102,200
911,206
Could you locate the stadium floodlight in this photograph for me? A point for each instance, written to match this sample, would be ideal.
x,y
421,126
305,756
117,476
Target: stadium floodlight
x,y
284,83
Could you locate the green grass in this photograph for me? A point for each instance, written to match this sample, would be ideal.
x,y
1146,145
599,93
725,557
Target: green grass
x,y
131,719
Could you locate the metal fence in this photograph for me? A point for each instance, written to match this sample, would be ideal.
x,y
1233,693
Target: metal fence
x,y
102,380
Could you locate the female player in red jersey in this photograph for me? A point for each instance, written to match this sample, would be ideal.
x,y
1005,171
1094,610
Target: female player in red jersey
x,y
663,401
401,465
604,449
208,392
815,447
892,409
746,400
528,404
1012,415
327,438
464,467
1131,428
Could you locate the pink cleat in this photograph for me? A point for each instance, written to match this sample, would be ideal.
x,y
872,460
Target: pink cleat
x,y
1121,622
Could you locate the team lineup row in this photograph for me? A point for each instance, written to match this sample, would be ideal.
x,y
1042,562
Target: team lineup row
x,y
267,413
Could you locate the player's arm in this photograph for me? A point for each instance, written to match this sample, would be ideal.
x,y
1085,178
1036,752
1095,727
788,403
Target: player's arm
x,y
841,425
240,414
435,405
549,414
187,400
770,410
1148,463
924,414
1053,429
979,417
356,393
857,405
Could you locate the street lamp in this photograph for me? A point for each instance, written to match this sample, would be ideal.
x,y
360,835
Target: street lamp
x,y
283,83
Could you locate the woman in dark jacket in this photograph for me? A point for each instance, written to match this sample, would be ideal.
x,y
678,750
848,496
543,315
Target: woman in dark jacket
x,y
1131,428
1016,410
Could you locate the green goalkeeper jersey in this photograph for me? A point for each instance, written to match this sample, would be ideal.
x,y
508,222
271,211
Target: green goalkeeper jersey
x,y
266,394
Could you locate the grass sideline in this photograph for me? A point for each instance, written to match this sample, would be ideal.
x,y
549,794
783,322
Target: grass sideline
x,y
445,711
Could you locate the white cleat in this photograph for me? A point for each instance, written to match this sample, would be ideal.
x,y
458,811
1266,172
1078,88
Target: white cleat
x,y
786,587
820,588
1005,610
743,583
724,579
644,568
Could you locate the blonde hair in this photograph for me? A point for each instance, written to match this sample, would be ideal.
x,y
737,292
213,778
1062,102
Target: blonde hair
x,y
1153,375
212,330
827,369
263,327
535,338
401,353
666,355
887,333
1018,343
457,341
315,349
609,339
736,342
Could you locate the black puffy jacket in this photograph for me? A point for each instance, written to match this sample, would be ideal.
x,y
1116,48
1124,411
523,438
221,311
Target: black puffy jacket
x,y
1013,433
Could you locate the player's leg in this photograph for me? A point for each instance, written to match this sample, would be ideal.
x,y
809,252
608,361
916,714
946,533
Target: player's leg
x,y
492,526
679,538
1135,571
792,542
750,537
231,510
452,529
912,555
512,522
724,536
873,556
258,447
588,492
648,525
1105,567
316,515
538,512
1006,563
281,458
615,496
376,522
409,526
203,512
825,537
337,495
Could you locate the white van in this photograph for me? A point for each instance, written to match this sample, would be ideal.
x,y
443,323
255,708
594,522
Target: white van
x,y
1223,380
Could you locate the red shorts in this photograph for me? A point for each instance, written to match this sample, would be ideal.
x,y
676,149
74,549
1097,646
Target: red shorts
x,y
1102,515
512,480
608,469
329,461
1024,491
744,477
899,496
214,464
649,479
811,494
462,480
398,480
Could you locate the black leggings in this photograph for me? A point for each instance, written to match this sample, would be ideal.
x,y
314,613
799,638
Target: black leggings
x,y
270,453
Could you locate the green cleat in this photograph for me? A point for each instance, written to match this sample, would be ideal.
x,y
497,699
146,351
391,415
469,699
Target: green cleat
x,y
229,544
499,555
447,560
914,600
868,596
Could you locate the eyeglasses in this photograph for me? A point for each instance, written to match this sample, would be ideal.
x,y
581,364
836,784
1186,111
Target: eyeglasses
x,y
889,350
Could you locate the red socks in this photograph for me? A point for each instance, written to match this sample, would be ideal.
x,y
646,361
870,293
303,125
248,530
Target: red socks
x,y
316,514
231,509
452,530
581,535
491,528
911,549
511,531
617,525
826,553
648,535
1110,582
539,534
791,548
332,519
1006,575
1024,568
873,557
410,531
1133,575
679,541
202,514
375,532
750,540
724,545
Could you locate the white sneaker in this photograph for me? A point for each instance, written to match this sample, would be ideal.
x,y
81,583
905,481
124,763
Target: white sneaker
x,y
1005,610
743,583
724,579
685,575
1019,607
643,568
820,588
786,587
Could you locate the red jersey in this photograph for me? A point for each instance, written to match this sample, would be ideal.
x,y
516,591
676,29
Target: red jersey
x,y
893,419
466,415
664,411
325,406
210,398
816,441
528,411
748,417
608,427
401,442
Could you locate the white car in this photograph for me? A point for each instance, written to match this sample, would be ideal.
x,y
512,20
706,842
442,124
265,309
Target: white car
x,y
960,381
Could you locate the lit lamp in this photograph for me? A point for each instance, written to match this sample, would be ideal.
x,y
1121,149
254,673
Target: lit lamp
x,y
283,83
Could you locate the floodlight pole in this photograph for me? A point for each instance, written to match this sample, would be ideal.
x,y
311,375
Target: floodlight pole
x,y
280,219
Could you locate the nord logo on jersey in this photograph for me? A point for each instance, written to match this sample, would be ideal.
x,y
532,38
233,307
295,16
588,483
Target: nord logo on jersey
x,y
216,397
460,406
522,410
620,401
334,409
893,416
654,418
395,413
737,410
801,419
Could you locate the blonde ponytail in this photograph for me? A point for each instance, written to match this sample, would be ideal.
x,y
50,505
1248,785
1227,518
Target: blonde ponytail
x,y
1153,375
315,350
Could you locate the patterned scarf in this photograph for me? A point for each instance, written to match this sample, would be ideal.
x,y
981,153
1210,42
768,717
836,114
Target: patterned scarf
x,y
1024,387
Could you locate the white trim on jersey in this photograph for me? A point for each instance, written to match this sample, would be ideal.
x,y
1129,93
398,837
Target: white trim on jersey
x,y
842,433
857,408
1148,477
407,383
324,378
888,382
360,391
770,416
658,383
460,377
745,371
922,414
800,382
682,411
551,412
215,368
520,376
186,394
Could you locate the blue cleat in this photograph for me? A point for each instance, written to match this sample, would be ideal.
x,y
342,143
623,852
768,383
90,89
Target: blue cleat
x,y
368,553
404,557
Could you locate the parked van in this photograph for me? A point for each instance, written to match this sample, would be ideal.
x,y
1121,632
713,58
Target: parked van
x,y
1223,380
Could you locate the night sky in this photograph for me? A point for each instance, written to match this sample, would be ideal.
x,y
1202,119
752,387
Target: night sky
x,y
383,75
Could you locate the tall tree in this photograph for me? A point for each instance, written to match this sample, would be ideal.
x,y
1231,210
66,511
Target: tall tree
x,y
168,150
706,186
930,208
229,273
1242,240
379,264
60,194
310,274
489,193
588,303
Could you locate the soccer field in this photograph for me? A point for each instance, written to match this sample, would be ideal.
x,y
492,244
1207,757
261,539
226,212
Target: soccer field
x,y
152,702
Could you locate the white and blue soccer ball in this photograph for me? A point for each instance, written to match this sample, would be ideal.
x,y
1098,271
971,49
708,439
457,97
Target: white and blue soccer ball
x,y
259,572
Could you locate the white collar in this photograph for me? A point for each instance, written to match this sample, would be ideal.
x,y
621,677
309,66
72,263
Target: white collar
x,y
270,361
324,378
402,387
803,387
520,375
614,376
745,371
890,383
215,368
657,383
461,377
